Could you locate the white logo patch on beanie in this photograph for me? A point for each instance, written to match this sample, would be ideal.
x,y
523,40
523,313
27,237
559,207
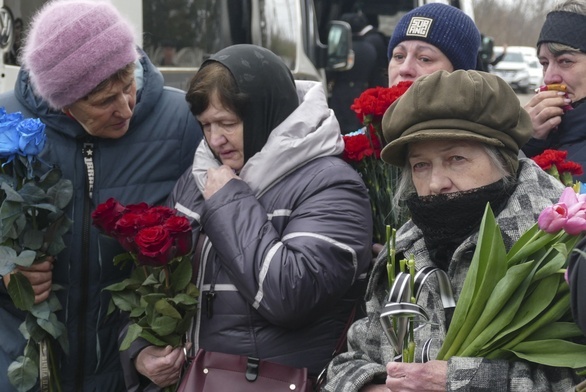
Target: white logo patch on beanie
x,y
419,27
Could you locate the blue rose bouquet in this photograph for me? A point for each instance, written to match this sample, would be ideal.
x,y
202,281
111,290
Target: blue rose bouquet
x,y
32,223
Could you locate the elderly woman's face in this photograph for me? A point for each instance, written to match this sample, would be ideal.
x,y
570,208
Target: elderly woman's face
x,y
412,59
568,68
223,131
107,113
447,166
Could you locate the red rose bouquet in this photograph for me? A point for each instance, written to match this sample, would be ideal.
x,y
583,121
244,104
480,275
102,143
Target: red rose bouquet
x,y
362,150
159,296
554,162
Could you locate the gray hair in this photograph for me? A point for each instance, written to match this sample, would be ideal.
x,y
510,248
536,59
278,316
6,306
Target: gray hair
x,y
405,186
576,6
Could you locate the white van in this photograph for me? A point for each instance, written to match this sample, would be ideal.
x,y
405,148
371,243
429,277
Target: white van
x,y
520,67
303,32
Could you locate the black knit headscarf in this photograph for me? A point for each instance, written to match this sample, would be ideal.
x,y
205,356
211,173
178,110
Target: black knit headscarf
x,y
269,87
564,27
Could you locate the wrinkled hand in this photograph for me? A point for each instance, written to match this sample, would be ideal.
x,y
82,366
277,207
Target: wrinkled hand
x,y
417,377
545,110
217,178
161,365
41,277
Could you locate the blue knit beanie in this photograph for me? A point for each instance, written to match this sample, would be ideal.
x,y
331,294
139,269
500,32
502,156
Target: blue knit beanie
x,y
444,26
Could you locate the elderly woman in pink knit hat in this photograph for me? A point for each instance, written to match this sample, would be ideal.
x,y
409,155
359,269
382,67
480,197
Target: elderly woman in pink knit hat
x,y
115,131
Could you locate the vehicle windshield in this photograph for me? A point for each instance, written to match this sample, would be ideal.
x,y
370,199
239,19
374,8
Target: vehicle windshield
x,y
514,57
185,32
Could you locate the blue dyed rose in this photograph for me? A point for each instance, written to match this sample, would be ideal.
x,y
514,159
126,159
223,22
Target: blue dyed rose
x,y
20,136
9,135
32,137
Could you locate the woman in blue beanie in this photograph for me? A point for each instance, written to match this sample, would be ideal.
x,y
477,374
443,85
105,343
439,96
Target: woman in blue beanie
x,y
430,38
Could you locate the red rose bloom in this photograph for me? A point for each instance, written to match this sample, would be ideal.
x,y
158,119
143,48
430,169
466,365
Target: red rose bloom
x,y
180,229
107,214
126,228
137,208
165,212
154,246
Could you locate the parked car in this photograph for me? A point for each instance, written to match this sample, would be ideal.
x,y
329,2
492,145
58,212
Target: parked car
x,y
520,68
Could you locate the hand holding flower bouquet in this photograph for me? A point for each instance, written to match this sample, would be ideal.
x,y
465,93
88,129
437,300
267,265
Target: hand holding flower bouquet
x,y
32,222
362,150
159,296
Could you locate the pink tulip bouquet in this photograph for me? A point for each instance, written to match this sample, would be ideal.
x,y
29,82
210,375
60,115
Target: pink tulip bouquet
x,y
516,304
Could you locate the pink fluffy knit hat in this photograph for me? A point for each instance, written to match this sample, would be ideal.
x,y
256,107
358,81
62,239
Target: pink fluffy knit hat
x,y
72,46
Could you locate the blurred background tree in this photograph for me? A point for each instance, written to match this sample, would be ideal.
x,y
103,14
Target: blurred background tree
x,y
511,22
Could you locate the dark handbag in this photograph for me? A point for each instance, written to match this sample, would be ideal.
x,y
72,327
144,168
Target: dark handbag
x,y
215,372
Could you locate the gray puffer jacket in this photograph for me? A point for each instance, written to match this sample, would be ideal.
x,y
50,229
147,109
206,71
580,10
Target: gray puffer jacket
x,y
369,349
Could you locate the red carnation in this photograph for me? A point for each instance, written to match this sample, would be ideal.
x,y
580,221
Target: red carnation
x,y
550,157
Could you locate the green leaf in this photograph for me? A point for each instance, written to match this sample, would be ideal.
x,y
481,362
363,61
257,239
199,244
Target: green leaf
x,y
153,298
533,305
32,194
32,239
23,373
165,308
21,291
52,326
151,280
125,300
488,266
133,332
26,258
184,299
137,312
500,308
557,330
7,254
31,330
164,325
61,193
11,195
530,243
11,217
41,310
552,352
552,314
153,339
192,290
181,276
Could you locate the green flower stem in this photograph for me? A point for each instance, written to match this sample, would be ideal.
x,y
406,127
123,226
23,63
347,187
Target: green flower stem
x,y
538,241
554,313
411,344
167,283
391,253
54,368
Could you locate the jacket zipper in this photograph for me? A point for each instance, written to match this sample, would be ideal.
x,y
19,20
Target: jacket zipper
x,y
88,154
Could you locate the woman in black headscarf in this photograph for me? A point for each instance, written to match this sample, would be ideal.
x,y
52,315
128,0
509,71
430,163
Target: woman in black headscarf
x,y
283,224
